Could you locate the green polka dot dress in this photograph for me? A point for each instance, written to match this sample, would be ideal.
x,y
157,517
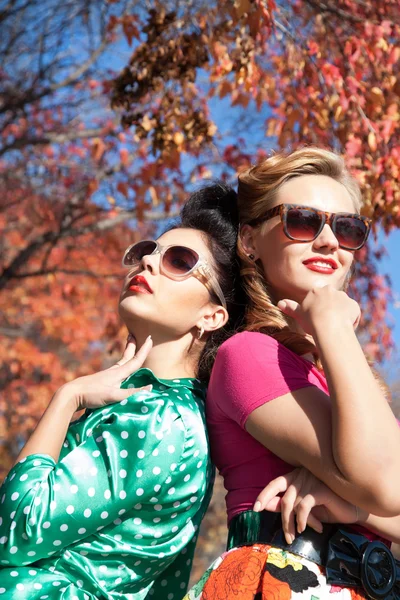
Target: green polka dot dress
x,y
118,515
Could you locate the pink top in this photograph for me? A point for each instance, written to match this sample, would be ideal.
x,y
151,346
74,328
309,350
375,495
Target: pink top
x,y
250,369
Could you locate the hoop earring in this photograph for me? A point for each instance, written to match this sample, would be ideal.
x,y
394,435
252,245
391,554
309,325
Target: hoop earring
x,y
200,333
251,256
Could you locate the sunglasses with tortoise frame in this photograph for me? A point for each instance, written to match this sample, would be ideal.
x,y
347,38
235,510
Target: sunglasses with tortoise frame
x,y
305,223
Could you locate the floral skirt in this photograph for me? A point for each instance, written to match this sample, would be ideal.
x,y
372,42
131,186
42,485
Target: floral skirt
x,y
262,572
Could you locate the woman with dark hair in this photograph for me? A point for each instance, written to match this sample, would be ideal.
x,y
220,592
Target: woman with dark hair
x,y
109,506
295,390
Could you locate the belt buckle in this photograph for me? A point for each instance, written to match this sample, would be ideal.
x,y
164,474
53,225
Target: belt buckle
x,y
378,570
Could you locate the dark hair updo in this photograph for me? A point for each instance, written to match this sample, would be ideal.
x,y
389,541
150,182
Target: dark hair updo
x,y
213,210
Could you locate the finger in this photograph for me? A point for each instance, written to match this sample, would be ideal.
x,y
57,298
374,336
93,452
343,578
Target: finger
x,y
121,394
315,524
274,505
303,511
289,307
275,487
129,352
137,361
288,514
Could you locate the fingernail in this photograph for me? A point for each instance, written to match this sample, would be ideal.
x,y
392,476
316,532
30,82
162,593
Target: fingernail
x,y
148,338
148,388
130,337
257,506
282,304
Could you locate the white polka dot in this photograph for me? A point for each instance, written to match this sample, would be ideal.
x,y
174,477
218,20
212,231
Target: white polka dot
x,y
175,529
144,409
73,489
93,471
20,587
107,494
193,499
158,507
173,466
14,573
14,496
70,509
138,536
102,568
23,477
125,401
123,453
91,492
157,487
104,514
171,491
159,435
122,495
182,467
140,454
156,470
96,453
138,507
81,530
57,543
139,492
174,515
53,505
122,473
13,550
87,512
139,473
176,504
37,463
171,449
124,434
47,524
37,586
39,541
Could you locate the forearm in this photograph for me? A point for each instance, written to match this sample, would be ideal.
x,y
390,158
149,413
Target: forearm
x,y
364,430
387,527
52,428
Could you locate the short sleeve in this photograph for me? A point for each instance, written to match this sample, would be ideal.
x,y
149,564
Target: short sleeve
x,y
251,369
47,506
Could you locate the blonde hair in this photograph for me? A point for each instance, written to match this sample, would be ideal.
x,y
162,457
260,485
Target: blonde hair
x,y
257,192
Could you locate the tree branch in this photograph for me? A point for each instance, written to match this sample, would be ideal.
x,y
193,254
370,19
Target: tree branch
x,y
37,244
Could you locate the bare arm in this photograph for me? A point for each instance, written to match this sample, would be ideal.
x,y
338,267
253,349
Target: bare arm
x,y
308,501
350,441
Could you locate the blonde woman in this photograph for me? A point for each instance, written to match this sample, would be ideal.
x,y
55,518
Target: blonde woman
x,y
295,390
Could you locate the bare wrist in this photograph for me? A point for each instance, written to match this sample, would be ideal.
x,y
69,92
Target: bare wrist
x,y
67,397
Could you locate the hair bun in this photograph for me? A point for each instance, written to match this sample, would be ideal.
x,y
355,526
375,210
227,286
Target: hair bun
x,y
213,201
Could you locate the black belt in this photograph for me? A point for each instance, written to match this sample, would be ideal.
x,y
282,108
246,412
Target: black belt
x,y
349,558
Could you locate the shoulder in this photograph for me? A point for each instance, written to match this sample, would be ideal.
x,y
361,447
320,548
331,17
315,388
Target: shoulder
x,y
249,345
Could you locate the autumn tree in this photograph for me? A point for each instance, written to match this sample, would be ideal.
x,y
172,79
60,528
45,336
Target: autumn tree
x,y
111,111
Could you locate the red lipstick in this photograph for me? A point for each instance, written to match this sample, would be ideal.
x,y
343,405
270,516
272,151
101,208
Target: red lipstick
x,y
321,264
139,284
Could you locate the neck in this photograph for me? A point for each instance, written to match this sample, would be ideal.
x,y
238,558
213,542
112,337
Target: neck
x,y
169,359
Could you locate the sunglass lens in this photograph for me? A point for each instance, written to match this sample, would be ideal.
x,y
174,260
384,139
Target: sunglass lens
x,y
135,254
351,232
179,260
303,224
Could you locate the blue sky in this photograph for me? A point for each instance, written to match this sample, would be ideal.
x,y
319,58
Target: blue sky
x,y
390,265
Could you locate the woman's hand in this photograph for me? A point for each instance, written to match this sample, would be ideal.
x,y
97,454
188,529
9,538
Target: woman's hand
x,y
305,501
102,388
321,305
